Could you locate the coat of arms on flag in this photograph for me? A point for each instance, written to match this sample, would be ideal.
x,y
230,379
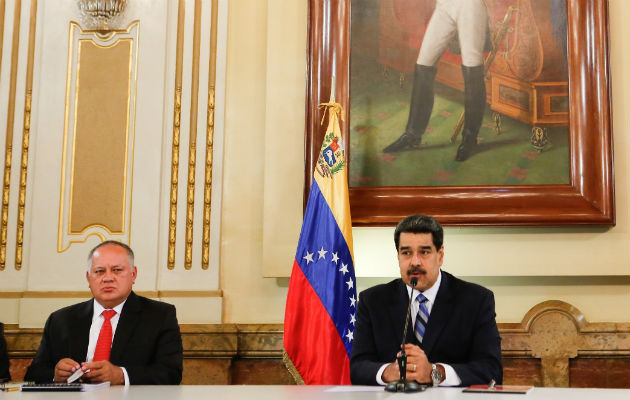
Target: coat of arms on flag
x,y
331,159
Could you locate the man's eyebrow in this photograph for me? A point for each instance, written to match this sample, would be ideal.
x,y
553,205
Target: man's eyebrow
x,y
111,266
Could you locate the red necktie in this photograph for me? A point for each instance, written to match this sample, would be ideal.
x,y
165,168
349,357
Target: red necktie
x,y
104,342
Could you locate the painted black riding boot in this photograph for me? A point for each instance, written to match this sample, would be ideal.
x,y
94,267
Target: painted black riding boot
x,y
474,107
419,110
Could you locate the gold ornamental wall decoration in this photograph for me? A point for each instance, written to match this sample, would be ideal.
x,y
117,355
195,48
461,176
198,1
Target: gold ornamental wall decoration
x,y
98,138
20,141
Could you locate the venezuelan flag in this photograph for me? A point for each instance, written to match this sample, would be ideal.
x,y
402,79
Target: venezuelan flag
x,y
321,304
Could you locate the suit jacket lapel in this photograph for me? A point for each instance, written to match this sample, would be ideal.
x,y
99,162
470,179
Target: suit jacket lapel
x,y
125,328
80,335
440,313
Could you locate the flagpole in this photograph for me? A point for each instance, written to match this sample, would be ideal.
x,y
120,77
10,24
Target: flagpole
x,y
333,81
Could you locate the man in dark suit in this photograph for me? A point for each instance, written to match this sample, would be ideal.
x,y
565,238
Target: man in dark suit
x,y
452,337
118,336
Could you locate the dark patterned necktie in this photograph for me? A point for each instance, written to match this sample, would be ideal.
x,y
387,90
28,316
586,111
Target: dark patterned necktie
x,y
422,317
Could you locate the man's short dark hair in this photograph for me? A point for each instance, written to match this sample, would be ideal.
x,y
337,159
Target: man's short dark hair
x,y
130,254
419,223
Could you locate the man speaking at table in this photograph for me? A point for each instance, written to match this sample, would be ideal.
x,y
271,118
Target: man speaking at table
x,y
117,336
452,336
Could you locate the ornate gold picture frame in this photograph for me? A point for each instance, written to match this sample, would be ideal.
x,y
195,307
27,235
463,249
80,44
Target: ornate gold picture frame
x,y
587,200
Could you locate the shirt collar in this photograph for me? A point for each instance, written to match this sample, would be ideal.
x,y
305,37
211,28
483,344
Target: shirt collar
x,y
430,293
98,308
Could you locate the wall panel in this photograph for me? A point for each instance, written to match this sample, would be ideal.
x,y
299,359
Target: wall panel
x,y
89,107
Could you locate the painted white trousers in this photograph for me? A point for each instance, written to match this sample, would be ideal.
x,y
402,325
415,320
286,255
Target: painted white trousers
x,y
469,18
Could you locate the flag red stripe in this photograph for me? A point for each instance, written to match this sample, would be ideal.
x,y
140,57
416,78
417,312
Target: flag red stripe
x,y
314,345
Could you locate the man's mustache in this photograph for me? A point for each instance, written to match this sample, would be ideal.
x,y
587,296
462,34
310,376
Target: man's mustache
x,y
416,270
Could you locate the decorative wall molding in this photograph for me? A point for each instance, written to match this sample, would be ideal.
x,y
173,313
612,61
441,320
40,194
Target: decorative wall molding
x,y
207,186
192,137
99,133
556,332
23,138
177,114
26,134
189,192
8,149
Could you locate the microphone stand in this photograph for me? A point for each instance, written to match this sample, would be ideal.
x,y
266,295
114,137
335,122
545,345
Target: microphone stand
x,y
402,384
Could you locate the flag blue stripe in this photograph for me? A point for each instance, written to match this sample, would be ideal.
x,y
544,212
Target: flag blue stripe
x,y
321,235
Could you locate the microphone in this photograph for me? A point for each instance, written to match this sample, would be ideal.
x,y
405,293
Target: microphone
x,y
402,384
413,282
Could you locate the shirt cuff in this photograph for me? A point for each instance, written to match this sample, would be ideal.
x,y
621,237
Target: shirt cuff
x,y
451,378
126,376
379,375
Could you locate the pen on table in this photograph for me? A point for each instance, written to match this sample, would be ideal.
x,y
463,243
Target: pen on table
x,y
11,389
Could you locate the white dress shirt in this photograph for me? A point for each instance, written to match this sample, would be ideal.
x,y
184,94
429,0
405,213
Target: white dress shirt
x,y
95,329
451,379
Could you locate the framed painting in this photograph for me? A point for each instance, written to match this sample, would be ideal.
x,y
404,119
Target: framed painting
x,y
543,153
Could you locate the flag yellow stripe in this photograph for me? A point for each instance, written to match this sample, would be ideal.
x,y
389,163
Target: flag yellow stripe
x,y
334,188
